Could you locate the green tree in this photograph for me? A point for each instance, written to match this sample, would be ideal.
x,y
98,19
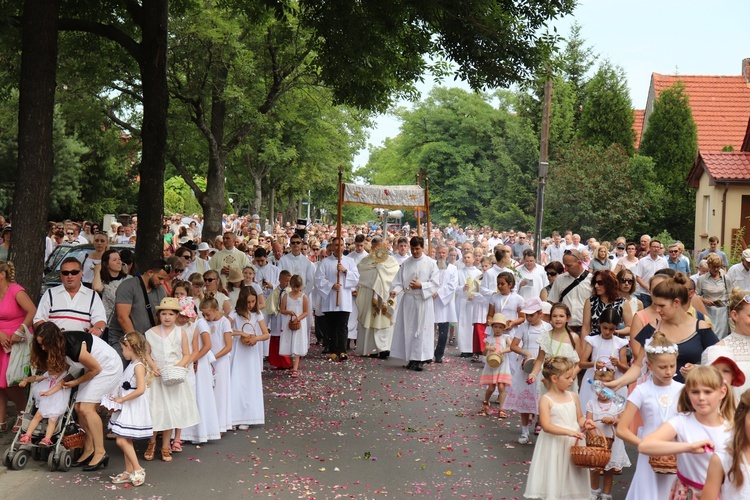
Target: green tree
x,y
179,197
671,140
607,115
596,190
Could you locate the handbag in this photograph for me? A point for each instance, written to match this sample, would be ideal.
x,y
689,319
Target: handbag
x,y
294,323
19,364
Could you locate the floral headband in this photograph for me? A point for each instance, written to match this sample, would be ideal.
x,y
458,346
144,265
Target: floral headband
x,y
672,349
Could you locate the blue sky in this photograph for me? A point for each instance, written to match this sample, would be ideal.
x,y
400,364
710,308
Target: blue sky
x,y
688,37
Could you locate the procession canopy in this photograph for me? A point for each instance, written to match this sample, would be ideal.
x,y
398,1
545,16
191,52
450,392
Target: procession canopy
x,y
384,196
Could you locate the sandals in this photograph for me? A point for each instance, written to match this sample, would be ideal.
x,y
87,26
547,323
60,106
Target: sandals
x,y
537,428
121,478
295,374
46,442
3,426
176,445
25,439
138,477
485,408
166,455
502,414
150,449
18,424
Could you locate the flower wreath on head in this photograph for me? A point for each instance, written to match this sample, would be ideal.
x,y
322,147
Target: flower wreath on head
x,y
672,349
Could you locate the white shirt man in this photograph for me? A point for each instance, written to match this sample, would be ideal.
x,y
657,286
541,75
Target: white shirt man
x,y
740,272
414,327
72,306
297,263
575,243
576,297
647,267
335,280
402,251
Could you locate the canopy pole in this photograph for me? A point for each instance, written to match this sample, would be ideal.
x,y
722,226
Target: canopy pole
x,y
427,210
338,234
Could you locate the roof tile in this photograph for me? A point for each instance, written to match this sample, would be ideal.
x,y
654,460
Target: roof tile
x,y
727,166
638,125
720,106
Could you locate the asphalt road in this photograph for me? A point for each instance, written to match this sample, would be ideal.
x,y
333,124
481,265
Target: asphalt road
x,y
359,429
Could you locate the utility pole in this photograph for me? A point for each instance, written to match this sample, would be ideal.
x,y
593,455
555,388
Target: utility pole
x,y
543,168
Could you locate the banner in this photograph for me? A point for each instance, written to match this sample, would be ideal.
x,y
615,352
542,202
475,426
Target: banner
x,y
384,196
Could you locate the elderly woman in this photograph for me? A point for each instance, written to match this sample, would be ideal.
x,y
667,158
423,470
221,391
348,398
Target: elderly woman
x,y
714,289
102,373
16,309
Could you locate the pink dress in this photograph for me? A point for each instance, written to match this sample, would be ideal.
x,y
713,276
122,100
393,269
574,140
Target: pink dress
x,y
11,317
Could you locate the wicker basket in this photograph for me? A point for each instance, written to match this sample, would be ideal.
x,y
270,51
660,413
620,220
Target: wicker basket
x,y
494,359
73,441
599,440
173,375
664,465
590,457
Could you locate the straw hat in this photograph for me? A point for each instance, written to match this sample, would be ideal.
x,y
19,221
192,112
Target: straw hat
x,y
499,318
234,276
169,304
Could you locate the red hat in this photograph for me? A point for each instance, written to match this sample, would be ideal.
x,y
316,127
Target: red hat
x,y
722,354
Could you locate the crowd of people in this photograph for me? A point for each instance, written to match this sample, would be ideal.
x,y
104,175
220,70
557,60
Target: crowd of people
x,y
633,316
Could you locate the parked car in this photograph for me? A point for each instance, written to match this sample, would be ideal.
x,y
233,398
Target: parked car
x,y
61,252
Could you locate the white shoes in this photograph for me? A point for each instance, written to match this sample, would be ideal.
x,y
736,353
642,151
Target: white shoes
x,y
243,427
524,439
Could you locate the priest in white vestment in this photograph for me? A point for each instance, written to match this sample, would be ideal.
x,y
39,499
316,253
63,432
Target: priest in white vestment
x,y
357,255
414,328
375,318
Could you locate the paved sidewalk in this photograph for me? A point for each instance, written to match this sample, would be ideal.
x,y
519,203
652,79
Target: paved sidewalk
x,y
359,429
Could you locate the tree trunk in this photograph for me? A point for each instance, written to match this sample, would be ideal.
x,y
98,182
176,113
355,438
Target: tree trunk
x,y
153,66
35,150
272,206
213,202
258,200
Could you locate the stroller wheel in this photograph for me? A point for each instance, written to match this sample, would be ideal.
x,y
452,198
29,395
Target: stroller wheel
x,y
20,459
65,461
8,458
51,462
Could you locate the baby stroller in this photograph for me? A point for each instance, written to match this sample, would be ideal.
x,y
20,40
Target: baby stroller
x,y
66,439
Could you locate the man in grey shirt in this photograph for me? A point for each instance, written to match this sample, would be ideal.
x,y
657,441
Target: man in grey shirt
x,y
132,311
519,246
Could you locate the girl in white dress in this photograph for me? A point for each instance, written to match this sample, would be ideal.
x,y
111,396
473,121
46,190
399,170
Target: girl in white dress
x,y
656,399
607,348
221,346
202,364
508,303
132,417
248,279
249,331
558,342
185,319
172,406
552,474
294,343
729,472
523,397
604,413
706,407
51,400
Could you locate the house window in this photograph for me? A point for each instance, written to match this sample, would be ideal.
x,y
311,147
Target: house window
x,y
707,212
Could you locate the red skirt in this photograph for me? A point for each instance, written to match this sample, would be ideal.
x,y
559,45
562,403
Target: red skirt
x,y
480,334
274,359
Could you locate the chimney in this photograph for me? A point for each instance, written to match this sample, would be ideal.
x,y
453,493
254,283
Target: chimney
x,y
746,69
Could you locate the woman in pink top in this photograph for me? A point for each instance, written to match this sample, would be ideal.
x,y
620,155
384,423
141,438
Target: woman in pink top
x,y
16,308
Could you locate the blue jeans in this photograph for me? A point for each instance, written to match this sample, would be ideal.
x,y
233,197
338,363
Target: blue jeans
x,y
443,329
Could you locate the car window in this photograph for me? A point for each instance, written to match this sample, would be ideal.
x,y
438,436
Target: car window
x,y
78,253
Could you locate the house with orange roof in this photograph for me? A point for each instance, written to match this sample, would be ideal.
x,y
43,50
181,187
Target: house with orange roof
x,y
721,173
